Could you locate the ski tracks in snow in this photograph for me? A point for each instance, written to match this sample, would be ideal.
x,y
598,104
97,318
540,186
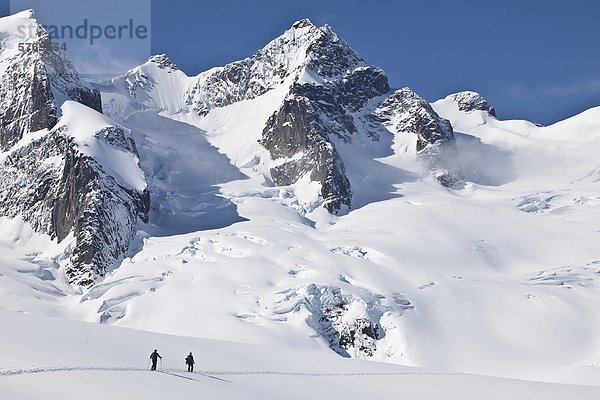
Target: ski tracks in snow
x,y
208,374
28,371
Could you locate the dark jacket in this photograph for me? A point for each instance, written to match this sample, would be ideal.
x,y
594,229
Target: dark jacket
x,y
189,359
155,356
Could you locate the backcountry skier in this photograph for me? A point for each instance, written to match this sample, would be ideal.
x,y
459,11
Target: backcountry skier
x,y
154,357
189,360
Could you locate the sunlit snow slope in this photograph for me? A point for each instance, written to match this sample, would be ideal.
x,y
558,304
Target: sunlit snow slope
x,y
78,359
499,277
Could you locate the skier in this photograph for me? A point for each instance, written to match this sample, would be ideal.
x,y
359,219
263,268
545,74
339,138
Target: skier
x,y
154,357
189,360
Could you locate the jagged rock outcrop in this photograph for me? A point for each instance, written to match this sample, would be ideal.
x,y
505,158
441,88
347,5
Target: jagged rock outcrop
x,y
304,47
299,145
60,190
331,85
300,135
348,324
63,181
470,101
163,62
405,112
32,80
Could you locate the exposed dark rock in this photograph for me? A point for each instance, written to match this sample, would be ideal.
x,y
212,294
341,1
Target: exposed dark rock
x,y
405,112
26,103
296,130
331,55
29,87
163,62
470,101
347,94
59,190
348,334
300,133
303,46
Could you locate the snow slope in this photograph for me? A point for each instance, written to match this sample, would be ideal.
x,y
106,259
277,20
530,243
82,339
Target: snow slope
x,y
499,277
472,280
83,124
98,361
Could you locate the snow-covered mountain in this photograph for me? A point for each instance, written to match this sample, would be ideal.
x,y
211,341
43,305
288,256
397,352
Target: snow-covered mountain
x,y
314,94
294,200
34,81
70,172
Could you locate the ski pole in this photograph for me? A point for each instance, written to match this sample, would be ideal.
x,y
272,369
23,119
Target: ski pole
x,y
148,364
161,364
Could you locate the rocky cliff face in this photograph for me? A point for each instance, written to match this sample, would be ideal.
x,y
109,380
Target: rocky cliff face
x,y
33,81
300,147
301,135
304,47
60,191
331,85
405,112
54,181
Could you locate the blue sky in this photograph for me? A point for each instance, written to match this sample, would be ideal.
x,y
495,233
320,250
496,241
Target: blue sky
x,y
533,59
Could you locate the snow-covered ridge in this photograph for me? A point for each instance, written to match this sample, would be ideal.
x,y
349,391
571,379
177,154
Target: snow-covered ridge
x,y
109,144
155,85
302,50
340,82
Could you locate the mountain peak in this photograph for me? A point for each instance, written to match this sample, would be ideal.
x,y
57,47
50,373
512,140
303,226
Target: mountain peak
x,y
318,48
46,79
470,101
28,14
13,32
302,23
162,61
